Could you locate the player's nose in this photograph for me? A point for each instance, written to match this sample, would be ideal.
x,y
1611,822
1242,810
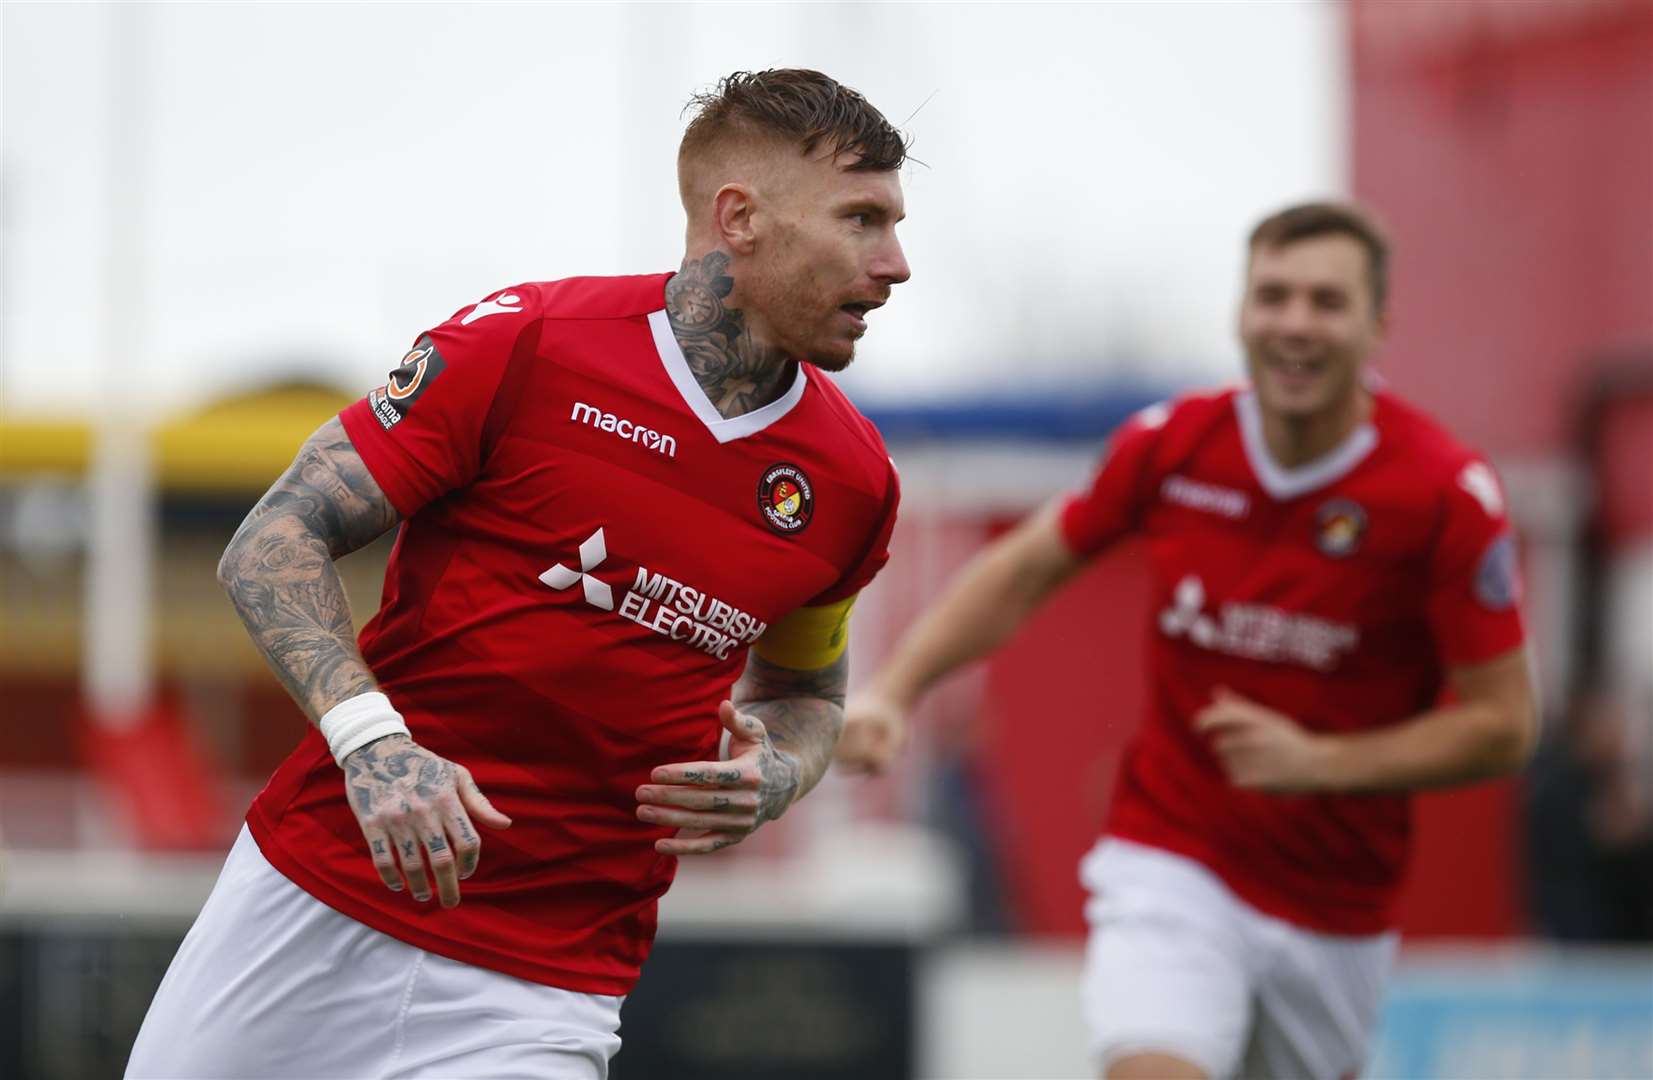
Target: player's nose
x,y
1295,317
890,264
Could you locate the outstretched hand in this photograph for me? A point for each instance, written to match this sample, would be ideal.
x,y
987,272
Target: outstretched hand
x,y
1261,748
715,804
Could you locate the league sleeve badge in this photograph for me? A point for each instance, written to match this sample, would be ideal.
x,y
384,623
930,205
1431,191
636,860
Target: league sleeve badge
x,y
785,499
1498,576
418,369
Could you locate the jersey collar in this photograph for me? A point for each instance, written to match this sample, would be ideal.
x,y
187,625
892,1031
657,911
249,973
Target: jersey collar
x,y
722,429
1283,483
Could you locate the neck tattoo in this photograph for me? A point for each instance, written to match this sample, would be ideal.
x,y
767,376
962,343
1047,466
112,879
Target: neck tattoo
x,y
737,374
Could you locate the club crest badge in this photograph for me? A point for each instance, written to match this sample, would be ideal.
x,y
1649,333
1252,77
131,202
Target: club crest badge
x,y
785,498
1339,526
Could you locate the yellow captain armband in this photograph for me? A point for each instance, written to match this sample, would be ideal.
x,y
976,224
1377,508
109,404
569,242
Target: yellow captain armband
x,y
809,638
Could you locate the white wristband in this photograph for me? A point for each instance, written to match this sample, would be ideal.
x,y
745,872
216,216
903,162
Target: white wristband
x,y
353,723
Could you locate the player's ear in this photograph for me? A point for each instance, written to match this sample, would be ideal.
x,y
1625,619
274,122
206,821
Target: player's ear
x,y
732,208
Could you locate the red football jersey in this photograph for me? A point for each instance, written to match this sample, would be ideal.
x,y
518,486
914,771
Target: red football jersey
x,y
588,551
1338,593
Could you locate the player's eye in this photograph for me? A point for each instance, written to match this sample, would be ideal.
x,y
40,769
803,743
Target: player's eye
x,y
861,220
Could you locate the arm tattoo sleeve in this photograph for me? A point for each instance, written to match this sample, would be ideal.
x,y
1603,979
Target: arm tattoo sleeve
x,y
278,569
803,714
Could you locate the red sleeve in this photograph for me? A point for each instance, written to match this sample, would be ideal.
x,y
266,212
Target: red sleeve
x,y
876,555
421,434
1093,519
1475,575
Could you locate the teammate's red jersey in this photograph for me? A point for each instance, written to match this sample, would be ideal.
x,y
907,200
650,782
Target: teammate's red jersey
x,y
588,550
1337,593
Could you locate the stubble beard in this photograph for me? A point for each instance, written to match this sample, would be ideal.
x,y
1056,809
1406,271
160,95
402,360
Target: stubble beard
x,y
834,363
798,305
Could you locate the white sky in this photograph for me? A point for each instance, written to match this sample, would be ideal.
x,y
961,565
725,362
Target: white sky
x,y
314,184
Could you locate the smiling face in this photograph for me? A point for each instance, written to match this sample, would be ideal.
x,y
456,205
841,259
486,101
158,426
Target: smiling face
x,y
825,254
1309,320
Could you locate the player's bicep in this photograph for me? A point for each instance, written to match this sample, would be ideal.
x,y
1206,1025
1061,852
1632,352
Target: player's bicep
x,y
330,491
1504,683
1042,551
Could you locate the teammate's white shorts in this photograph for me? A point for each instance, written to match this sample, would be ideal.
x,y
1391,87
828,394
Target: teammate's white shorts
x,y
1177,964
271,982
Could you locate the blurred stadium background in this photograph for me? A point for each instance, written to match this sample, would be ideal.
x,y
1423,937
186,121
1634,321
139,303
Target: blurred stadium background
x,y
222,223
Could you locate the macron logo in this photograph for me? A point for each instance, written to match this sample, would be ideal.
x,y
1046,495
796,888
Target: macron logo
x,y
508,303
1207,497
592,552
646,437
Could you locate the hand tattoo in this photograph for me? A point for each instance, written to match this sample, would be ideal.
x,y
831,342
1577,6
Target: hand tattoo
x,y
736,372
778,788
395,770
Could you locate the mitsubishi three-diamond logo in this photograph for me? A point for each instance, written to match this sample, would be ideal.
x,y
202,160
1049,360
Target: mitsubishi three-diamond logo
x,y
661,604
592,552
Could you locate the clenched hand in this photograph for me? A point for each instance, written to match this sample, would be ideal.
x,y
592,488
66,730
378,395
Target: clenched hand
x,y
875,732
414,807
1261,748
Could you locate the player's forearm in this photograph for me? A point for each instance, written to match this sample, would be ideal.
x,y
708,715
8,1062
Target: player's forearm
x,y
1455,744
803,714
980,610
283,584
806,731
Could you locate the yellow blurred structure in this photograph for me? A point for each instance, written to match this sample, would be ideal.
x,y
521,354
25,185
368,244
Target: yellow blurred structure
x,y
231,447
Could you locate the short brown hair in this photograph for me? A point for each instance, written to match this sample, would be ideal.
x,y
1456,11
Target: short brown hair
x,y
797,104
1300,222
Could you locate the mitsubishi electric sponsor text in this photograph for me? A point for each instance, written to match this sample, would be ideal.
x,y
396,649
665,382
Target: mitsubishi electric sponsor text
x,y
660,604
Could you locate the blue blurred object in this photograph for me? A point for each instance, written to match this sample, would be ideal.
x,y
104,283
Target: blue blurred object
x,y
1083,414
1467,1015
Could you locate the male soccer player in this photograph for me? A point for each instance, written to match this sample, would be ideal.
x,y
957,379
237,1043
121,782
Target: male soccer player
x,y
616,497
1325,558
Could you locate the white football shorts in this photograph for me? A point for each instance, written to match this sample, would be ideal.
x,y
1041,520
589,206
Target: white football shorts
x,y
271,982
1177,964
